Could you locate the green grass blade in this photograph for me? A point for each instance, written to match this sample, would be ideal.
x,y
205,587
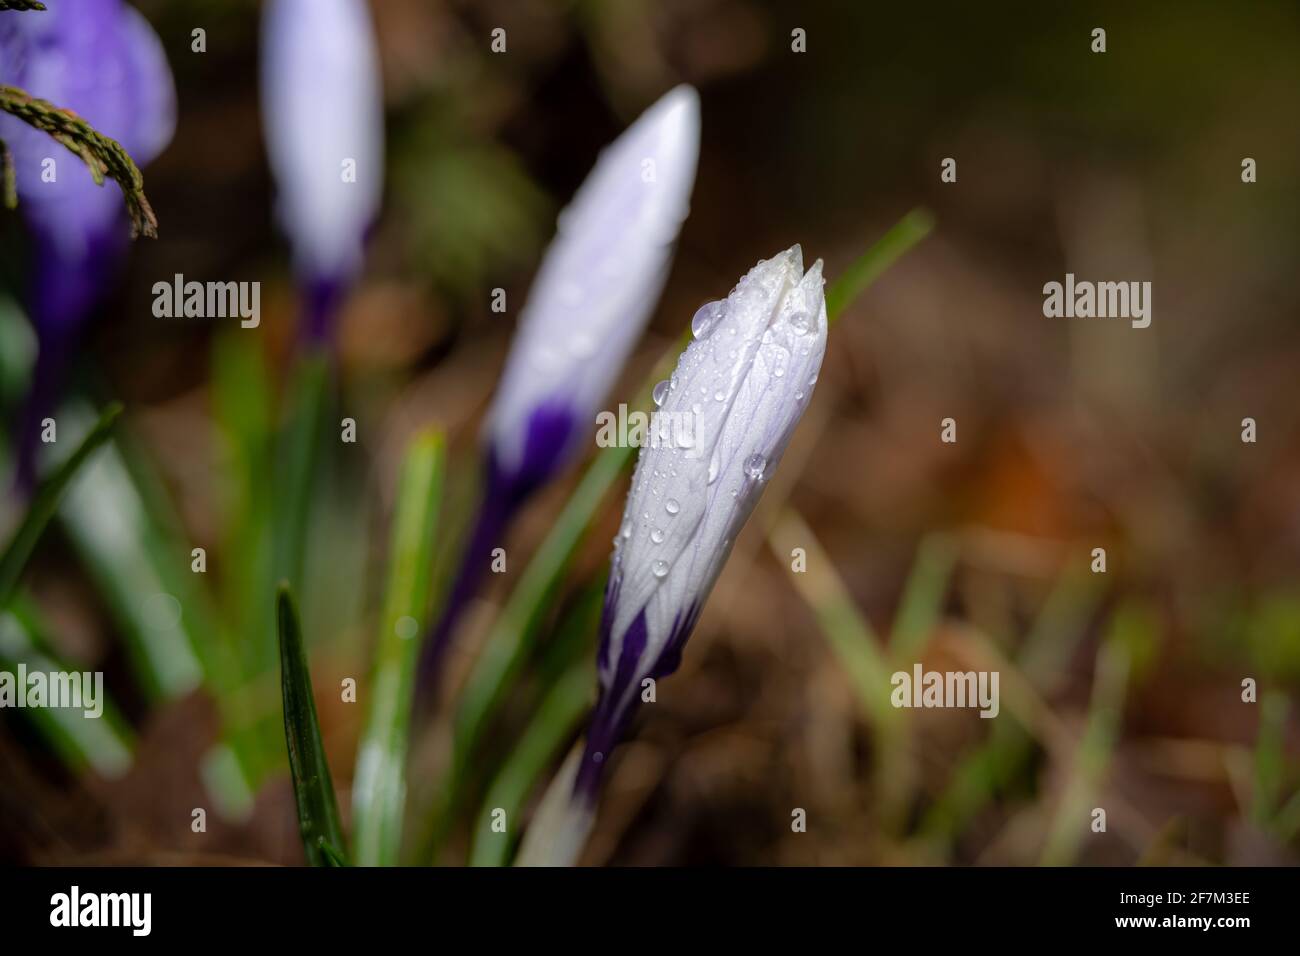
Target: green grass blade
x,y
515,630
1270,757
1128,633
868,267
294,480
46,501
318,811
100,743
922,601
849,634
379,786
990,768
549,730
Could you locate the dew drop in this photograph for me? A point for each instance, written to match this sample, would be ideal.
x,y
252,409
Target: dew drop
x,y
754,466
660,568
705,318
660,392
799,323
657,536
671,506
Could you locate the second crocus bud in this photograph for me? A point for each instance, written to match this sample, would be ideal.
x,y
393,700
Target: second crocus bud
x,y
597,286
744,383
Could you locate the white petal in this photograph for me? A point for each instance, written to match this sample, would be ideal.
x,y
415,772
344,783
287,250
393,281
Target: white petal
x,y
747,383
602,275
322,105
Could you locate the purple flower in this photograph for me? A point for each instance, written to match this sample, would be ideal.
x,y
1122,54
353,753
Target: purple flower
x,y
323,115
597,286
100,59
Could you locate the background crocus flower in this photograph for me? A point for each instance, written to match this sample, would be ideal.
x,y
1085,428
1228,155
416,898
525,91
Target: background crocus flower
x,y
101,60
322,111
597,286
746,379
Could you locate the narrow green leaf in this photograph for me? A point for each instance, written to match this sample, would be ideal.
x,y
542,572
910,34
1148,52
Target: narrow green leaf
x,y
1270,757
548,731
1127,632
296,470
46,501
318,811
988,770
923,595
887,250
103,742
379,785
331,853
140,563
848,632
515,630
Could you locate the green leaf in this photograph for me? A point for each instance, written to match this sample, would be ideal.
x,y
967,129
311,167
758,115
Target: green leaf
x,y
331,853
101,743
922,601
887,250
296,470
550,728
318,811
1129,629
379,785
516,628
46,501
848,632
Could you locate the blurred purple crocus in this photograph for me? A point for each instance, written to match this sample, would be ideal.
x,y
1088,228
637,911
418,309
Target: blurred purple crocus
x,y
101,60
597,286
322,112
746,380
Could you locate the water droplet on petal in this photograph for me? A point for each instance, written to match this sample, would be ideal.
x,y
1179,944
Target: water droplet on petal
x,y
799,323
660,392
754,466
657,536
660,568
671,506
705,318
720,395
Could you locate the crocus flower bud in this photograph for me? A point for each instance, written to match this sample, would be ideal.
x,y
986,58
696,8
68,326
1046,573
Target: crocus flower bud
x,y
597,286
101,60
745,380
322,111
